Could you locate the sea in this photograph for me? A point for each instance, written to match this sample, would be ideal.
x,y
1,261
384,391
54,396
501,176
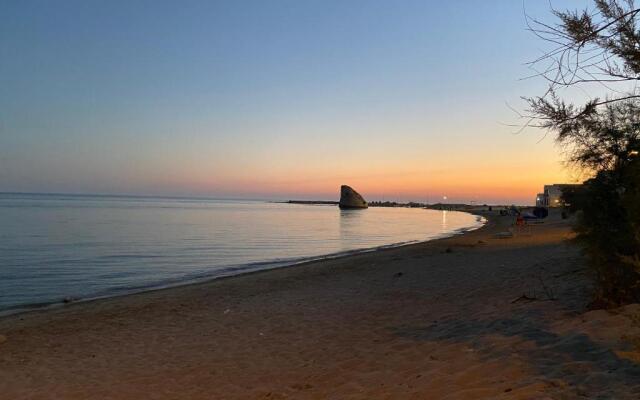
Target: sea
x,y
56,249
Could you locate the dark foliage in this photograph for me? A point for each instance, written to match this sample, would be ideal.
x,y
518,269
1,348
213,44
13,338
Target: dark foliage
x,y
601,137
608,225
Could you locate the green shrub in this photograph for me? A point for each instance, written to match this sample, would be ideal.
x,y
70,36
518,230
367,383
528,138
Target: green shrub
x,y
608,227
600,136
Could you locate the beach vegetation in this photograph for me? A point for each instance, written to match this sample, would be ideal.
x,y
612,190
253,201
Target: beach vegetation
x,y
599,135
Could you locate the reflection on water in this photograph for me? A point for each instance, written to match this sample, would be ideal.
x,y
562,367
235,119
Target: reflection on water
x,y
349,219
82,246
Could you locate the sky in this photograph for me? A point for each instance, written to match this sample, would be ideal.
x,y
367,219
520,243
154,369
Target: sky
x,y
402,100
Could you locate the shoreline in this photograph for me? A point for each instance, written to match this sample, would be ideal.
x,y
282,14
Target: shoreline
x,y
240,270
427,320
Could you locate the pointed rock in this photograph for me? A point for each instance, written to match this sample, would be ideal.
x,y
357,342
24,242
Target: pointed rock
x,y
349,198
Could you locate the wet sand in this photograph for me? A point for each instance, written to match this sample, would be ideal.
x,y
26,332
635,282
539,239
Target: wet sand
x,y
469,317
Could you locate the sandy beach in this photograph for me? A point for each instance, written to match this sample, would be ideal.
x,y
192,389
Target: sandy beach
x,y
469,317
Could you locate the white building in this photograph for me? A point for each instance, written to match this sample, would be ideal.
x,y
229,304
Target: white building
x,y
552,195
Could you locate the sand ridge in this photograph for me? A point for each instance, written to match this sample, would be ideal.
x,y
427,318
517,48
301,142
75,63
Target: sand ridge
x,y
440,320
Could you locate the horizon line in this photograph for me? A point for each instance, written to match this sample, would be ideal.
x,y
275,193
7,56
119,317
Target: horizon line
x,y
195,197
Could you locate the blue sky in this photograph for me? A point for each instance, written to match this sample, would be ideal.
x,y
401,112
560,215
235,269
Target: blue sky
x,y
269,99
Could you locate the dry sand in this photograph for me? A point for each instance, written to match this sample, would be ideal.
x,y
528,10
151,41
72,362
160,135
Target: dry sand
x,y
439,320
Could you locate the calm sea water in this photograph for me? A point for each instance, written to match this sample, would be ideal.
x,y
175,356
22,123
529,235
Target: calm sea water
x,y
54,247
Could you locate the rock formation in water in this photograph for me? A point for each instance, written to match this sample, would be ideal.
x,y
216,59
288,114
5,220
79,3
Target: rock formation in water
x,y
349,198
